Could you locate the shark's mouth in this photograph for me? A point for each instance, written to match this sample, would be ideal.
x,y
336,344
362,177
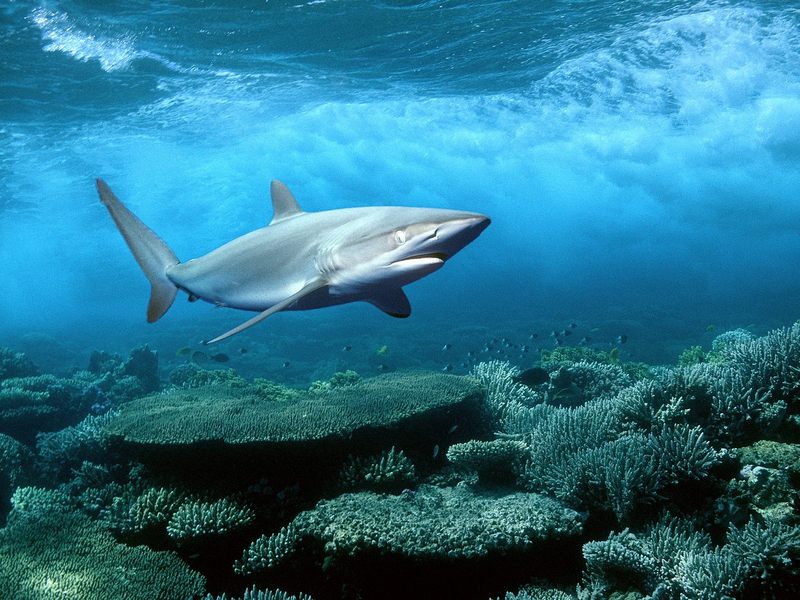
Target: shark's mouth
x,y
433,255
433,259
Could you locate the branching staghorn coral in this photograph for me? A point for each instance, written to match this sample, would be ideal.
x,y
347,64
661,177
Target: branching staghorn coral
x,y
585,458
671,560
256,594
390,471
268,551
503,393
195,519
716,397
136,512
772,363
537,592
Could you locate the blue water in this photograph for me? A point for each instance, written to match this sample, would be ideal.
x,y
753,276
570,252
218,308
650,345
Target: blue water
x,y
640,162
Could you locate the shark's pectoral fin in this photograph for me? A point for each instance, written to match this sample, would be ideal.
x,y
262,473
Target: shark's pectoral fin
x,y
393,302
309,288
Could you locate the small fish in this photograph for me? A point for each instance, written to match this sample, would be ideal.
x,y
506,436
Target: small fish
x,y
524,348
446,347
199,356
452,429
382,350
554,334
533,335
382,367
185,351
533,376
242,350
447,368
585,341
566,332
621,339
573,325
347,348
221,357
435,450
471,354
711,328
286,364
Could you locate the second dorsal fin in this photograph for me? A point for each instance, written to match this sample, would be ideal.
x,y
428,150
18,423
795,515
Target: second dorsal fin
x,y
283,203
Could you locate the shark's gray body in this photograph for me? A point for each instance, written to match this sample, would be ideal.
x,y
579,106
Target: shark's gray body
x,y
304,260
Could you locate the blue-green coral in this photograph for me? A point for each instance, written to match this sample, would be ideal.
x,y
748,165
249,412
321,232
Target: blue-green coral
x,y
49,550
390,471
672,560
436,523
242,415
196,519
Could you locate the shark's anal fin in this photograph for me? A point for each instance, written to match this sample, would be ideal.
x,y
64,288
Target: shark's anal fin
x,y
309,288
283,203
393,302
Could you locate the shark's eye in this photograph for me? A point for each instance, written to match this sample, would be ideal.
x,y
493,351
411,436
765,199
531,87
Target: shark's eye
x,y
400,237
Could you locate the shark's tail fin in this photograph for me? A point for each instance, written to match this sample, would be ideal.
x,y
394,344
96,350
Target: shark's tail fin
x,y
149,250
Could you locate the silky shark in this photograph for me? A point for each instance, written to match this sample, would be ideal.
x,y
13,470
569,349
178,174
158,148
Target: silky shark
x,y
303,260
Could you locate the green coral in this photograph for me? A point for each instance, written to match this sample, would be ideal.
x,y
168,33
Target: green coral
x,y
537,592
15,460
716,397
338,379
235,416
190,375
493,460
15,364
585,457
775,455
431,523
256,594
268,551
62,451
48,550
390,471
40,403
504,395
194,519
671,560
151,508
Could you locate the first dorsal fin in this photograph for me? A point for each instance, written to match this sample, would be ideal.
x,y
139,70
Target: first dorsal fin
x,y
283,203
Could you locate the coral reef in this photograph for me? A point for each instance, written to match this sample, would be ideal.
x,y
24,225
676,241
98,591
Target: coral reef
x,y
195,519
49,550
255,594
237,416
15,364
430,523
390,471
601,479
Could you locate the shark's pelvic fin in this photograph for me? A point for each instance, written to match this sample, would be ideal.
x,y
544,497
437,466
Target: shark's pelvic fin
x,y
149,250
393,302
309,288
283,203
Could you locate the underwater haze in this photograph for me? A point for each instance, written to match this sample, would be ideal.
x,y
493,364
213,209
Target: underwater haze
x,y
640,161
597,398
